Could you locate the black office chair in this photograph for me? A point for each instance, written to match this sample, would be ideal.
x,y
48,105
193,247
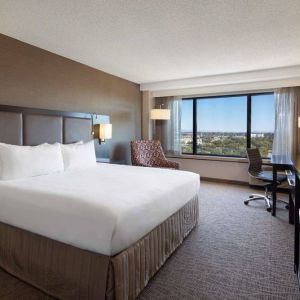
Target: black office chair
x,y
256,171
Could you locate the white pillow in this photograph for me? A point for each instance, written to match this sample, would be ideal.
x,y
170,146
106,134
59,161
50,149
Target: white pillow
x,y
79,156
28,161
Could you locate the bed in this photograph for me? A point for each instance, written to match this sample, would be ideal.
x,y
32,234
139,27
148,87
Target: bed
x,y
98,233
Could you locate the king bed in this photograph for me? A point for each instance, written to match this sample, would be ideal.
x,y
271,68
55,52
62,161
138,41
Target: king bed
x,y
96,233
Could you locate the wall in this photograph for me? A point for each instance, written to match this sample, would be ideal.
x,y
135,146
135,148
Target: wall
x,y
32,77
227,83
226,170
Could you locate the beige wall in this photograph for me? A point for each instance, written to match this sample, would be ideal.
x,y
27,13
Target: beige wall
x,y
148,103
225,170
32,77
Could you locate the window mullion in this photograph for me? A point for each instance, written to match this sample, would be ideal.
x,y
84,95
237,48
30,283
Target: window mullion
x,y
249,121
194,126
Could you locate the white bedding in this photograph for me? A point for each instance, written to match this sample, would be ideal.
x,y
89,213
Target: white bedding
x,y
104,208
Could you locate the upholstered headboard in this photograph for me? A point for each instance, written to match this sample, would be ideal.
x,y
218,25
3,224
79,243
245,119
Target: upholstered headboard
x,y
30,126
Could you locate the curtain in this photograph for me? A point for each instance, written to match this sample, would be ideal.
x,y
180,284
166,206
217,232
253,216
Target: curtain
x,y
285,140
171,129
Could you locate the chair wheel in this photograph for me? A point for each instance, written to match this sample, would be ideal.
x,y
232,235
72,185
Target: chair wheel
x,y
287,206
269,209
251,196
246,202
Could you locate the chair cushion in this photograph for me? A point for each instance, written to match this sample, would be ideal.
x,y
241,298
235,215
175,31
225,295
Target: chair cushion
x,y
268,176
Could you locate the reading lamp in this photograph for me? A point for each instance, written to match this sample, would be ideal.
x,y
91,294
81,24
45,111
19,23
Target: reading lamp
x,y
105,132
159,114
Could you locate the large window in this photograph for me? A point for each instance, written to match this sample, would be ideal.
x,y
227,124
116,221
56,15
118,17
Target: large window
x,y
187,126
226,126
262,123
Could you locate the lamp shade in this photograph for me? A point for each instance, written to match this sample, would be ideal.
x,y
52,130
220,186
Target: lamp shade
x,y
105,131
160,114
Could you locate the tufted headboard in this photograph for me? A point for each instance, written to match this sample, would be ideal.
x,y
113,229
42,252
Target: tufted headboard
x,y
31,126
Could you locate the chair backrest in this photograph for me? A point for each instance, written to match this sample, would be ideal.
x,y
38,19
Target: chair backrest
x,y
255,161
146,152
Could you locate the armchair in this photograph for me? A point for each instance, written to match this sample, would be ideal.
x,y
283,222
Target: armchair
x,y
150,154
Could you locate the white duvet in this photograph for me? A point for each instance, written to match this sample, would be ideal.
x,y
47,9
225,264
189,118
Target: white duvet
x,y
103,209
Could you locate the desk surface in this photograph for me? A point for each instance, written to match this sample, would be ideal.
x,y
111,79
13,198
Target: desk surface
x,y
287,161
282,160
297,164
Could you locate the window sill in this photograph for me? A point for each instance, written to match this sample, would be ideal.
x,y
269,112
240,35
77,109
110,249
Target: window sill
x,y
210,158
243,160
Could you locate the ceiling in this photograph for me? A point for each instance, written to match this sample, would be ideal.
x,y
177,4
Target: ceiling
x,y
156,40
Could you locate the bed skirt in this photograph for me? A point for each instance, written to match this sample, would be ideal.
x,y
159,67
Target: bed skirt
x,y
67,272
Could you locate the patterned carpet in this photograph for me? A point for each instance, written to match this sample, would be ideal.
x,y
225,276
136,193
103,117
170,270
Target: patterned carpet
x,y
236,252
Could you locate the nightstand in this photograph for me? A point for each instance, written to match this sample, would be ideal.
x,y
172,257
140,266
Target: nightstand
x,y
107,160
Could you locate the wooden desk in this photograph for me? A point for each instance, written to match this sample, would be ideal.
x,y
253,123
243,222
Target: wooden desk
x,y
283,162
296,200
279,162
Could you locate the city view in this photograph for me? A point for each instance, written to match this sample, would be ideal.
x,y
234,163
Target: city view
x,y
222,125
226,143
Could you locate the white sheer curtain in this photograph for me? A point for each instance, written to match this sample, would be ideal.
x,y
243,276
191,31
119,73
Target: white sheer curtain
x,y
286,111
171,129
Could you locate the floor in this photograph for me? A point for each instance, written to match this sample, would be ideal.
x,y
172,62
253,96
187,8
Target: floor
x,y
236,252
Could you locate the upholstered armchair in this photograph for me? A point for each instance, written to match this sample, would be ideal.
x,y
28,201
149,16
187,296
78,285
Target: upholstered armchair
x,y
150,154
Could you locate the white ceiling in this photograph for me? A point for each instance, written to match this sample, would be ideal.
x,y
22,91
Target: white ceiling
x,y
155,40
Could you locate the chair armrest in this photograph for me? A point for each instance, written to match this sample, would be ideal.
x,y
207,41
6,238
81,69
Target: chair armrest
x,y
173,164
164,163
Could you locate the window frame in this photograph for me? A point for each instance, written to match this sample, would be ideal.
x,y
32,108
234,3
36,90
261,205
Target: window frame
x,y
248,125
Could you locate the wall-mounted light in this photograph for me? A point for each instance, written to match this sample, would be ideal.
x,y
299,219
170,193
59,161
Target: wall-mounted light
x,y
105,132
298,122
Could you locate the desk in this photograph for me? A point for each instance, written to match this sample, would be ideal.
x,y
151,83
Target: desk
x,y
279,162
284,162
296,200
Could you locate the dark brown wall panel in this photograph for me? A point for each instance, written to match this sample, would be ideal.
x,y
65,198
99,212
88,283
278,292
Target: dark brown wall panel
x,y
32,77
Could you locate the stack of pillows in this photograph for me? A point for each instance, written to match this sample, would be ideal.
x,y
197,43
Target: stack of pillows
x,y
28,161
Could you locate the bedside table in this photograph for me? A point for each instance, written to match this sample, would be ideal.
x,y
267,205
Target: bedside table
x,y
107,160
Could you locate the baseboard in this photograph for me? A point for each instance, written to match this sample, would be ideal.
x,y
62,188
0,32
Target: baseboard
x,y
279,190
228,181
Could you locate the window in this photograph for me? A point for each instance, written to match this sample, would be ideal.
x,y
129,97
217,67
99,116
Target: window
x,y
227,125
221,126
262,123
187,126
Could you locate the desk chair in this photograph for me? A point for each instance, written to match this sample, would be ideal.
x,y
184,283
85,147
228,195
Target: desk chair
x,y
255,170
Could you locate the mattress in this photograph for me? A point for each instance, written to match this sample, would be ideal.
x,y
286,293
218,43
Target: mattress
x,y
103,209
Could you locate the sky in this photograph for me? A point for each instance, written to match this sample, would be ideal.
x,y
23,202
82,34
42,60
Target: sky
x,y
230,114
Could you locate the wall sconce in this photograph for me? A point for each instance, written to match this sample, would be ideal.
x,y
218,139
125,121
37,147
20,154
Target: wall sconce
x,y
298,122
105,132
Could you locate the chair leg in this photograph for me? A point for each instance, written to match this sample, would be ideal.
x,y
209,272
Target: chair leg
x,y
257,195
285,202
254,197
267,198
